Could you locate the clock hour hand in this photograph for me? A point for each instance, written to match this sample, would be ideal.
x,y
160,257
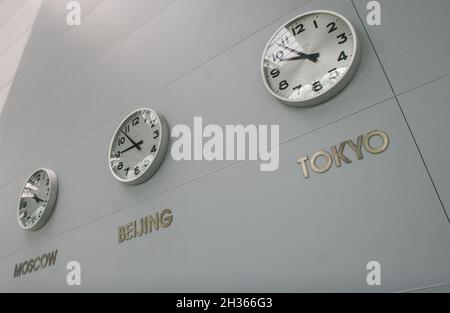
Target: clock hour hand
x,y
132,141
136,145
301,55
37,198
312,57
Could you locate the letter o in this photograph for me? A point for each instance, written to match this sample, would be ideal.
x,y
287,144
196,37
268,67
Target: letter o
x,y
379,149
44,261
25,269
37,263
327,165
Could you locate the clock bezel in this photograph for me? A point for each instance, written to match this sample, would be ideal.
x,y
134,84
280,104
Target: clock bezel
x,y
339,86
159,156
51,202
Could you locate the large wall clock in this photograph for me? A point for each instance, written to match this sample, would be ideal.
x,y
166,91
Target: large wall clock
x,y
311,58
37,199
138,146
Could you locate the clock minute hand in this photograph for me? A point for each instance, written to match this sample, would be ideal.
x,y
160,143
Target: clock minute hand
x,y
135,145
132,141
37,198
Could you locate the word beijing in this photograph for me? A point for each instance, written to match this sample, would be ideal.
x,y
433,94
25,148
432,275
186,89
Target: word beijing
x,y
35,264
145,225
321,161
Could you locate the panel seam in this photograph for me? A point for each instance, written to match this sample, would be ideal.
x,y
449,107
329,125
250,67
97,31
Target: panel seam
x,y
403,113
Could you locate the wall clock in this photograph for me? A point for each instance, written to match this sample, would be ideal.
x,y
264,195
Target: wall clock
x,y
138,146
311,58
38,199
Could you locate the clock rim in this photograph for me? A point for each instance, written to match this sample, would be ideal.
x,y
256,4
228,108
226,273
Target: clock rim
x,y
51,203
339,86
159,156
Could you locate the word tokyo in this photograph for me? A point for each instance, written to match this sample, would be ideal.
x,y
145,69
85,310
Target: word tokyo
x,y
321,161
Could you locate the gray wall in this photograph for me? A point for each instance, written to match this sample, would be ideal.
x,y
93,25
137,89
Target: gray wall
x,y
235,228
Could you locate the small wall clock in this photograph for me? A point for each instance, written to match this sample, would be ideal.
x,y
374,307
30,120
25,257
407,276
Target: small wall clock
x,y
138,146
311,58
37,199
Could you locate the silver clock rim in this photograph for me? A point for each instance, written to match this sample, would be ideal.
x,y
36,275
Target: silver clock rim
x,y
333,91
51,203
160,154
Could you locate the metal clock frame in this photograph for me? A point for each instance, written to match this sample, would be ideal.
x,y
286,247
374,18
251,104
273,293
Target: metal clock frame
x,y
159,156
337,88
51,202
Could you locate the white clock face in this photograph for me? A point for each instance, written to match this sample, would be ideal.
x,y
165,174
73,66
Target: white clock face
x,y
37,200
311,58
138,146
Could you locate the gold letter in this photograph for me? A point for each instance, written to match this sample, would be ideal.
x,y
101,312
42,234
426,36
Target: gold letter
x,y
380,134
140,232
327,165
301,161
339,154
129,231
165,222
153,221
357,148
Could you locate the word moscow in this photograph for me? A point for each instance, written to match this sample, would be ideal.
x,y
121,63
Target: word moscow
x,y
321,161
235,143
35,264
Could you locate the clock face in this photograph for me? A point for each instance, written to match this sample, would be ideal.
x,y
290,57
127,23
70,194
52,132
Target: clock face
x,y
311,58
138,146
37,200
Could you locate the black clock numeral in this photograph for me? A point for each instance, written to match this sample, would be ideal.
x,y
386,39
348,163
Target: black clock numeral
x,y
275,73
126,129
120,166
156,132
127,170
283,85
298,29
315,24
135,121
332,27
342,56
117,154
153,149
297,87
317,86
277,55
343,37
121,141
136,171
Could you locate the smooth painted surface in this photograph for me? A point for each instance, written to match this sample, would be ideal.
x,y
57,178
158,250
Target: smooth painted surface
x,y
412,41
428,111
